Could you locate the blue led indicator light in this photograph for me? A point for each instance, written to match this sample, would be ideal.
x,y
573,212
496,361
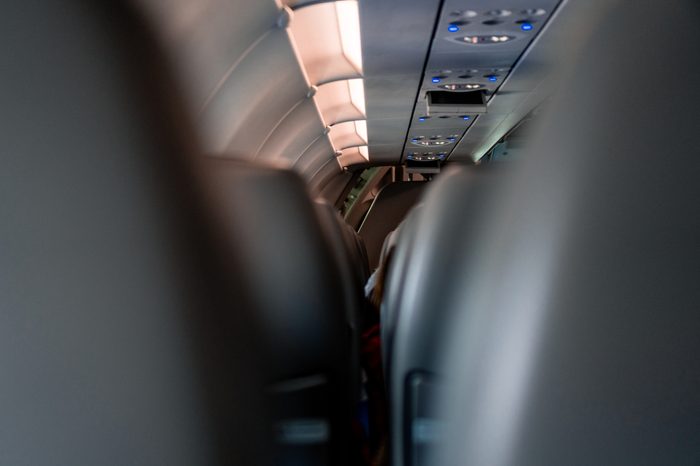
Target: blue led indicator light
x,y
465,117
493,78
526,26
436,79
453,28
421,119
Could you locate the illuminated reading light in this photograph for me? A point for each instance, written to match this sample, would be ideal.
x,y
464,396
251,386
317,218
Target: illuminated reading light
x,y
348,17
526,26
431,143
327,39
453,28
461,87
357,94
426,156
485,40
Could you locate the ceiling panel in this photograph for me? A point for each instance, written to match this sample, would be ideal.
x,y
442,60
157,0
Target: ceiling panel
x,y
528,85
396,35
476,45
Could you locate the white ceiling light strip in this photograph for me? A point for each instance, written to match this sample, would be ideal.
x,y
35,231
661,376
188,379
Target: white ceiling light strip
x,y
349,134
341,101
326,38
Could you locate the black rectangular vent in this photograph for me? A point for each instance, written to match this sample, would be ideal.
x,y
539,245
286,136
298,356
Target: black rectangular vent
x,y
455,102
432,166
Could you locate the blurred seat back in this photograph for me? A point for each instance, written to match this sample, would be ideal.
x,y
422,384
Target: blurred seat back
x,y
306,316
580,341
121,325
414,310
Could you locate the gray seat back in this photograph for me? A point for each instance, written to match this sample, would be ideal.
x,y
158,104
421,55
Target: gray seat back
x,y
305,315
580,341
122,328
414,310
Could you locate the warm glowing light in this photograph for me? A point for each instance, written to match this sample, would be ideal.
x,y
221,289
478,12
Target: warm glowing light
x,y
348,17
426,156
327,39
461,87
357,93
349,134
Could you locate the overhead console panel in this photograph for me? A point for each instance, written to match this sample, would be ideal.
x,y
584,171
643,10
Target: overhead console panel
x,y
475,47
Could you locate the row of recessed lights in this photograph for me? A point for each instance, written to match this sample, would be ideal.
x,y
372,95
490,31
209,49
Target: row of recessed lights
x,y
434,141
426,117
525,25
435,137
491,77
426,156
500,13
334,71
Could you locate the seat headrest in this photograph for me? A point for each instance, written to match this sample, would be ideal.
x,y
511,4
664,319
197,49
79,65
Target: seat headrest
x,y
287,262
578,342
118,344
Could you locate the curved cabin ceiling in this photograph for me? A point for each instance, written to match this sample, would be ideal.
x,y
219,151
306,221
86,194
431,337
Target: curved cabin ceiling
x,y
271,80
320,86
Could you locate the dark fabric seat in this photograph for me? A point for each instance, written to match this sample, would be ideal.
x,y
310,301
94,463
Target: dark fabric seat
x,y
577,343
123,326
158,307
299,279
414,308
